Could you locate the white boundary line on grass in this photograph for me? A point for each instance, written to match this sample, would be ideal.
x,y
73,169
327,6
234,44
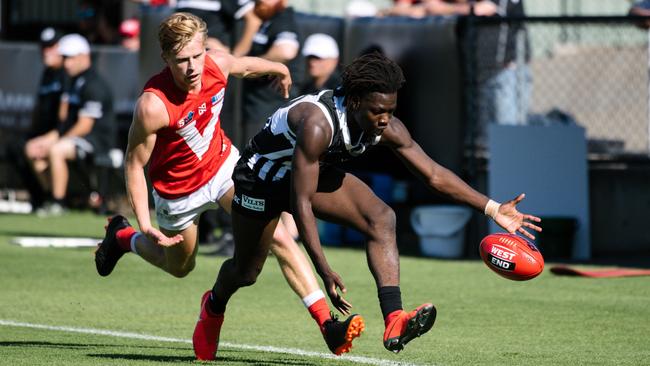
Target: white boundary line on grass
x,y
291,351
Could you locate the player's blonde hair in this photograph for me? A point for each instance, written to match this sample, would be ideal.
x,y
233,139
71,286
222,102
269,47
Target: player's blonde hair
x,y
177,30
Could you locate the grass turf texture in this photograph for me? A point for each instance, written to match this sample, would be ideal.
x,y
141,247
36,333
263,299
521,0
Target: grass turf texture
x,y
482,318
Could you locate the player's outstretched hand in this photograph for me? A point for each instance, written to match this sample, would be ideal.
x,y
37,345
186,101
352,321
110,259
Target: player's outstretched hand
x,y
282,84
161,239
514,221
332,281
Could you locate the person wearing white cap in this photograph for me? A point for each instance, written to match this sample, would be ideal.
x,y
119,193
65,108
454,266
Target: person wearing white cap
x,y
322,56
30,157
88,129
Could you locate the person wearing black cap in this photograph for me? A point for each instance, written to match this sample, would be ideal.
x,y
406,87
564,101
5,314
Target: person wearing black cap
x,y
47,114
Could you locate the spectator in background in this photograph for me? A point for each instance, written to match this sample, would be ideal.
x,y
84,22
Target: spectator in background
x,y
503,77
31,155
130,32
276,40
99,20
221,17
322,54
641,8
422,8
360,8
89,128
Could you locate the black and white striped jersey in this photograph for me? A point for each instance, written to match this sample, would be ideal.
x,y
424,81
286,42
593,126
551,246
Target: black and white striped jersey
x,y
270,152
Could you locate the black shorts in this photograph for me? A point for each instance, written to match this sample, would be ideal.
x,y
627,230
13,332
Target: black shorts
x,y
258,199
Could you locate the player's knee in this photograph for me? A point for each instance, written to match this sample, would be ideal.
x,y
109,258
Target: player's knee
x,y
248,277
182,271
57,152
382,222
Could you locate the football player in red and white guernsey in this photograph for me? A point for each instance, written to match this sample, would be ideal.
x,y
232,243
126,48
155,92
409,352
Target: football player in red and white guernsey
x,y
176,130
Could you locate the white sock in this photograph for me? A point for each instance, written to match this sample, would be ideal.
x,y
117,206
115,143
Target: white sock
x,y
133,239
310,299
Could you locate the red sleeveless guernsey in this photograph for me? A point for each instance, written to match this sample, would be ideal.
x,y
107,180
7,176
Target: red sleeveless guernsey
x,y
192,148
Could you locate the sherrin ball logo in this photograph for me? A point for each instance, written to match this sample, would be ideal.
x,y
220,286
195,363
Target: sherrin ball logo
x,y
511,256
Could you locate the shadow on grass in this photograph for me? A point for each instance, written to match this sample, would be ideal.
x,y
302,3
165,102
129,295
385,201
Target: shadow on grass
x,y
36,234
58,345
243,358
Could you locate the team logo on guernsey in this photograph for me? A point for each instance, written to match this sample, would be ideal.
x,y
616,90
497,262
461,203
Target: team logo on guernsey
x,y
183,121
217,97
202,109
251,203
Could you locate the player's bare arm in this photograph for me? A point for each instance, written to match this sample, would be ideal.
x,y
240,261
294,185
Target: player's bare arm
x,y
314,134
445,181
150,116
254,67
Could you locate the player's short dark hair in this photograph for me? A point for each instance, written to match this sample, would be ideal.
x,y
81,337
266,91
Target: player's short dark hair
x,y
370,73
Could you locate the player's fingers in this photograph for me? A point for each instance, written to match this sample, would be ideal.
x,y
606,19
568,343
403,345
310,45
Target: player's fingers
x,y
341,286
343,310
526,233
532,226
346,303
331,292
532,218
519,198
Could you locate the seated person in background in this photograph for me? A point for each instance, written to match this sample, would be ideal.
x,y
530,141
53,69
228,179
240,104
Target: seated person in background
x,y
45,120
322,55
419,9
89,128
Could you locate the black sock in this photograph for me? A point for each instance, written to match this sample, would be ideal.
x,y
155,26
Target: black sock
x,y
216,306
390,299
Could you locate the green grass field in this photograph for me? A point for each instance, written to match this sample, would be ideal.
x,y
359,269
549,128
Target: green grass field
x,y
483,319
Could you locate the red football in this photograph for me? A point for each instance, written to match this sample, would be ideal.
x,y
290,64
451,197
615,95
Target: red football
x,y
511,256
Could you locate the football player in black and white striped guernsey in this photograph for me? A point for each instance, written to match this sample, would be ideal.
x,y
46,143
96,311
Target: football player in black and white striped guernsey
x,y
290,166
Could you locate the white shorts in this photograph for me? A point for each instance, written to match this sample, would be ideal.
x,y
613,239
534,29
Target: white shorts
x,y
178,214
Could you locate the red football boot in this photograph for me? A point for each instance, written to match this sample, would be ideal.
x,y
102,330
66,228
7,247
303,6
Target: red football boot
x,y
206,333
406,326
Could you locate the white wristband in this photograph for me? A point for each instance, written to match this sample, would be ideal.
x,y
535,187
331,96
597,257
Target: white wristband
x,y
492,209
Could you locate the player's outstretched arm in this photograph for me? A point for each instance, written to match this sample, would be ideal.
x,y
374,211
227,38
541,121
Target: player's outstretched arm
x,y
149,116
312,139
253,67
445,181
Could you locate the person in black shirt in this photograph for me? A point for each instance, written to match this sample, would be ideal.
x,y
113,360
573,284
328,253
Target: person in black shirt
x,y
89,129
221,17
26,156
276,40
322,55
